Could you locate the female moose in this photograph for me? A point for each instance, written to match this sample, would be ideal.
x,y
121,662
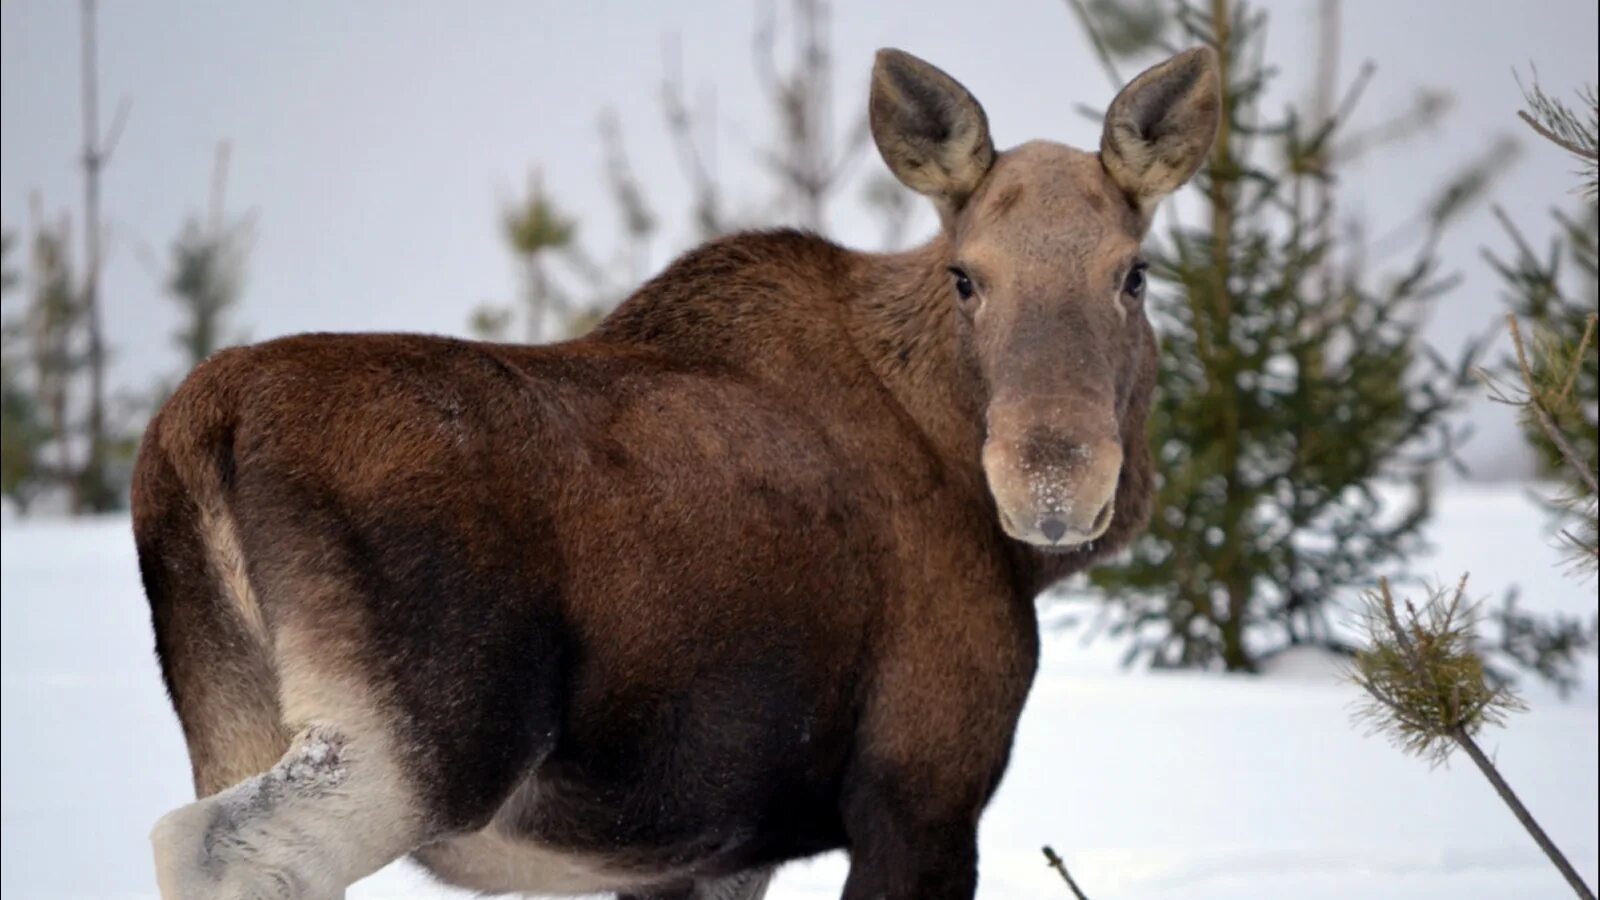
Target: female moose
x,y
746,575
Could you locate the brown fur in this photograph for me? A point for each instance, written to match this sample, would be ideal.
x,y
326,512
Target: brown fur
x,y
723,584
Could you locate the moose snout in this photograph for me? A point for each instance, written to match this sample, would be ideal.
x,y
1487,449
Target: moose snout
x,y
1051,490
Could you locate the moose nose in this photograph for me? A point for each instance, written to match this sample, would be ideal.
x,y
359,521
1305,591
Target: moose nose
x,y
1052,491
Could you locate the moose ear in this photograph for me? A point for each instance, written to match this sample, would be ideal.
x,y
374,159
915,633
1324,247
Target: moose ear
x,y
929,129
1160,128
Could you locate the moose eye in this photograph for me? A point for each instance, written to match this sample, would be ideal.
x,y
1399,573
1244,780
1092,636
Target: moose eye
x,y
964,287
1133,285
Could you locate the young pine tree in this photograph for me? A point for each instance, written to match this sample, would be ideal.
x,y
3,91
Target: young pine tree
x,y
536,231
1549,375
1428,685
1298,412
207,272
1553,375
53,325
805,165
22,433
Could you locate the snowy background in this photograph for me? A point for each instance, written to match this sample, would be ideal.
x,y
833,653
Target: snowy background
x,y
1152,786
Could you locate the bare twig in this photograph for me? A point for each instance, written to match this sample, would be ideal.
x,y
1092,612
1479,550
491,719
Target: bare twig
x,y
1557,858
1057,863
119,119
1353,94
681,124
89,491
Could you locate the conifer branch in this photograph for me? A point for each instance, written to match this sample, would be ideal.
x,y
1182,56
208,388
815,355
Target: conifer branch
x,y
1541,414
1567,145
1428,691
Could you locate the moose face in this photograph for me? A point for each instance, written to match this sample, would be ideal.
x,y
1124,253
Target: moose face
x,y
1045,270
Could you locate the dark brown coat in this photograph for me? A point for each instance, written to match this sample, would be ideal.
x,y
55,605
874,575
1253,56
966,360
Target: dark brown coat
x,y
721,585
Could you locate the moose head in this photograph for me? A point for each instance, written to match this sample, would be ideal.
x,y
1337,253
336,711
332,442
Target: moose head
x,y
1045,269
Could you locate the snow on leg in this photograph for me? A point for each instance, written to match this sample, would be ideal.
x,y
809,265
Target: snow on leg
x,y
334,809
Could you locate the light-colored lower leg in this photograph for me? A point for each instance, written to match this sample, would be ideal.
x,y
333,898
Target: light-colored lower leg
x,y
334,809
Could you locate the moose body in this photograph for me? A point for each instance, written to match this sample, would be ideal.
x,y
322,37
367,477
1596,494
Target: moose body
x,y
744,576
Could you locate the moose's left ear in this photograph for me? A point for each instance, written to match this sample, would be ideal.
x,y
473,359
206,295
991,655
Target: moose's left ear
x,y
1160,128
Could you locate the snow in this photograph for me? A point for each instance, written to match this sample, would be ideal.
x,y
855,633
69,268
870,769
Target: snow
x,y
1150,786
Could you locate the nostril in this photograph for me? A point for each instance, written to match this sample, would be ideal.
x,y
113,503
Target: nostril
x,y
1053,529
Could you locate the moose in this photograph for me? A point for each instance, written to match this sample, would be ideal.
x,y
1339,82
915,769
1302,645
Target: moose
x,y
745,575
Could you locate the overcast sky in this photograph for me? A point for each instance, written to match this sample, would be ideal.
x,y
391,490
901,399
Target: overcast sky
x,y
376,140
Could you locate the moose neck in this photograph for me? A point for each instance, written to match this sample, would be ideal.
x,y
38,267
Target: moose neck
x,y
905,324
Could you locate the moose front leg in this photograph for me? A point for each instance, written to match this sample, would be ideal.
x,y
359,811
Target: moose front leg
x,y
912,837
932,745
897,855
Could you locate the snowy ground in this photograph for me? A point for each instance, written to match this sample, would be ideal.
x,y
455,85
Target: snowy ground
x,y
1151,786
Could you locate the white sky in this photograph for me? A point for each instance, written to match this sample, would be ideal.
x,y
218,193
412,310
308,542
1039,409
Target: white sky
x,y
376,139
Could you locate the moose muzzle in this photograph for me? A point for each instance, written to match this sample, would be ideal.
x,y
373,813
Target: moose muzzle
x,y
1052,489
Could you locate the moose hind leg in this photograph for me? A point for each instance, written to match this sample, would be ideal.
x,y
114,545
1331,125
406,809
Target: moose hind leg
x,y
331,811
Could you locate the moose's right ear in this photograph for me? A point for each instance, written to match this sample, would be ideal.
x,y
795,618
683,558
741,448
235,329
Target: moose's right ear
x,y
929,129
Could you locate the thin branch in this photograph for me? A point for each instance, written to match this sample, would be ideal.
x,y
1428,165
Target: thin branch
x,y
119,119
1057,863
1558,140
1352,95
1577,361
1547,424
1557,858
691,158
219,188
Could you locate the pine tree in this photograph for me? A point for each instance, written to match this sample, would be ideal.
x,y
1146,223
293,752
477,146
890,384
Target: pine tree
x,y
22,434
1553,375
807,163
47,434
536,230
1430,692
54,319
1429,685
207,272
1298,413
1549,375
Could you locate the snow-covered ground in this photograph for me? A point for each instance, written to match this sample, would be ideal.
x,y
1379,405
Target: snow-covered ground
x,y
1151,786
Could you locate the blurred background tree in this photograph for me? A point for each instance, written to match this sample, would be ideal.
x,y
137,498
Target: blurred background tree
x,y
67,435
1299,414
1549,375
45,360
57,428
207,260
535,230
807,161
1555,294
22,432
